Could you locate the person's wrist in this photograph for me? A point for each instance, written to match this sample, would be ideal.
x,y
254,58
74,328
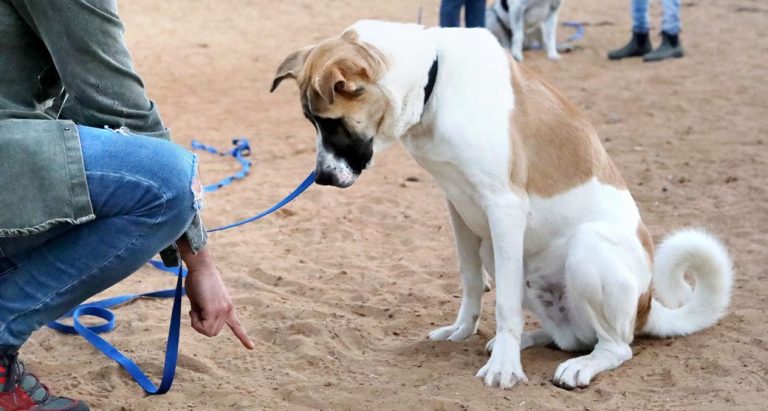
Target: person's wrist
x,y
204,271
200,262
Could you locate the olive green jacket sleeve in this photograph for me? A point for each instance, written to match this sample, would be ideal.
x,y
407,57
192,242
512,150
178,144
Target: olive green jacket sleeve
x,y
47,47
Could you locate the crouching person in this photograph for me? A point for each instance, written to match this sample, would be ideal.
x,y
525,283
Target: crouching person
x,y
90,185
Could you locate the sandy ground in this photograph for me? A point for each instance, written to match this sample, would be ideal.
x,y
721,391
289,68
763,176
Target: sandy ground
x,y
340,289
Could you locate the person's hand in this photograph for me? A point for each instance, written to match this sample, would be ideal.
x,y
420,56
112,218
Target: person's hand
x,y
212,306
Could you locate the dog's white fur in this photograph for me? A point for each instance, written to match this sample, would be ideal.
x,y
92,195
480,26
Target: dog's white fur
x,y
584,239
522,19
573,258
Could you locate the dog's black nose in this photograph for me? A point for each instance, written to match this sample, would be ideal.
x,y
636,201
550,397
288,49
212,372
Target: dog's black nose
x,y
325,179
329,178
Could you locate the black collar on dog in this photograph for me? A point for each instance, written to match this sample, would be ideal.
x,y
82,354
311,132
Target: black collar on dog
x,y
431,82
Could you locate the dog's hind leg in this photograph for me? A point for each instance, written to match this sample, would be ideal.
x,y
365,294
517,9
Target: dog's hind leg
x,y
549,35
470,267
517,27
603,286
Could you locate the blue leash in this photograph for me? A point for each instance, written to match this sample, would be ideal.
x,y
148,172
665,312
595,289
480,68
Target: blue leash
x,y
242,149
101,310
579,34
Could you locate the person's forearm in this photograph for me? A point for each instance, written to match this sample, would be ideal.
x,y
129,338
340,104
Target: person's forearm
x,y
203,260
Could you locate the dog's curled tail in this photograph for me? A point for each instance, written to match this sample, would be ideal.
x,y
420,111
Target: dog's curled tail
x,y
676,308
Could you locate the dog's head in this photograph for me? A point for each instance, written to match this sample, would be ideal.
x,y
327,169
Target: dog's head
x,y
340,96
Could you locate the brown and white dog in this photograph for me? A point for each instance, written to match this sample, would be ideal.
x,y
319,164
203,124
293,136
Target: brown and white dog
x,y
534,199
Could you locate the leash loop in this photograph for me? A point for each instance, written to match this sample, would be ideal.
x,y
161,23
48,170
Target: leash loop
x,y
241,150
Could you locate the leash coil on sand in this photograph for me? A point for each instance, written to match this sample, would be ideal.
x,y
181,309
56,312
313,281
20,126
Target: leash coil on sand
x,y
100,309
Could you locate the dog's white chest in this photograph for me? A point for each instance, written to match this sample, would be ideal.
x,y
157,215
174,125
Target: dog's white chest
x,y
460,192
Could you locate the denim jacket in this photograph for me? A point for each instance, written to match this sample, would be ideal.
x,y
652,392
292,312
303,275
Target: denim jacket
x,y
63,63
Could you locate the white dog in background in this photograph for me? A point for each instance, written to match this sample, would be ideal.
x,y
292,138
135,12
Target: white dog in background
x,y
534,198
515,22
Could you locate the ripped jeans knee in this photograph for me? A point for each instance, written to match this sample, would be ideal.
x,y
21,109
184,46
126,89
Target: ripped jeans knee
x,y
148,177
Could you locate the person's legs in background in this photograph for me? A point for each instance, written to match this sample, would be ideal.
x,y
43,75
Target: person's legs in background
x,y
474,11
670,28
450,13
141,191
640,43
640,16
670,20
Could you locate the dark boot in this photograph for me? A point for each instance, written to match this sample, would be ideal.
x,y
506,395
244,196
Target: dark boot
x,y
21,391
639,45
670,48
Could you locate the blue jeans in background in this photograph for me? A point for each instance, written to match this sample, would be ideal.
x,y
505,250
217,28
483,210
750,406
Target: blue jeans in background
x,y
140,188
670,20
474,11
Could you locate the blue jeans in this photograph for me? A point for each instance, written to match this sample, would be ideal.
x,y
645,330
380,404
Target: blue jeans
x,y
670,20
450,12
140,188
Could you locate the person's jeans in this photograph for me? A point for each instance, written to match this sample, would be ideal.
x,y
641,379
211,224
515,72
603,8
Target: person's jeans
x,y
450,12
670,20
141,191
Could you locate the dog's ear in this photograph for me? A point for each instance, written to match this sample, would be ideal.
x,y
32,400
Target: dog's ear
x,y
331,81
290,67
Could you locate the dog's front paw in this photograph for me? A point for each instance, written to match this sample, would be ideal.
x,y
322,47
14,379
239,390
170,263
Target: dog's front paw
x,y
518,56
503,369
455,332
554,56
574,373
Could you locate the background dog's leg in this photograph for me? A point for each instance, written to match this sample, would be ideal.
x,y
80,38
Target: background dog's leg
x,y
533,39
468,250
549,33
602,285
517,24
507,219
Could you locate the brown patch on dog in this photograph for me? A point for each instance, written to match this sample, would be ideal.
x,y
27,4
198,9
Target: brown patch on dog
x,y
559,147
644,302
643,309
647,241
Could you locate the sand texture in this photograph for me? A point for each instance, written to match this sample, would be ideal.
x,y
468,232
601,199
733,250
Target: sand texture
x,y
340,289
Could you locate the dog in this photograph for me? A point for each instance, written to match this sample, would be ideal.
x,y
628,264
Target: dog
x,y
533,197
515,23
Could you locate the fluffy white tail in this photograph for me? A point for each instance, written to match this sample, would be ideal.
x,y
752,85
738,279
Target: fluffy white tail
x,y
676,309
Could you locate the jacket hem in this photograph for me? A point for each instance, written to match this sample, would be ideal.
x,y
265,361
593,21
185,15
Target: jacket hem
x,y
37,229
81,196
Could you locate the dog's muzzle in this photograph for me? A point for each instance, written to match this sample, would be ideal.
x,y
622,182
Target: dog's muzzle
x,y
334,173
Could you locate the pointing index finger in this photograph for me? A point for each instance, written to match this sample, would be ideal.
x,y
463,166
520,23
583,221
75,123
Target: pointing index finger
x,y
239,331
